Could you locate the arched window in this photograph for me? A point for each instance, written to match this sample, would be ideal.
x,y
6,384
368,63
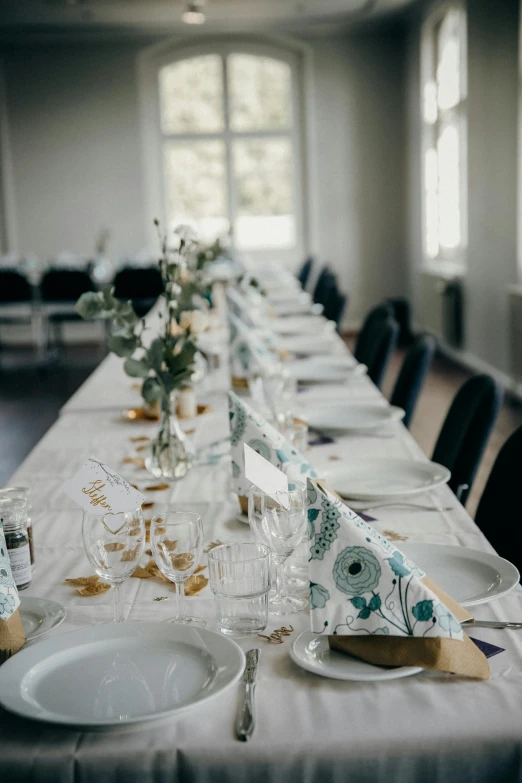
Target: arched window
x,y
229,120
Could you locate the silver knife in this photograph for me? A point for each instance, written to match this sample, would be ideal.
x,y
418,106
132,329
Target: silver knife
x,y
491,624
245,716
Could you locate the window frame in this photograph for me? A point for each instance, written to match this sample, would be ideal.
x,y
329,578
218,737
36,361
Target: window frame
x,y
152,132
447,259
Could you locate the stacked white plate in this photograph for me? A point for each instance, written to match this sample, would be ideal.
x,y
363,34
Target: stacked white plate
x,y
350,417
335,369
299,325
372,480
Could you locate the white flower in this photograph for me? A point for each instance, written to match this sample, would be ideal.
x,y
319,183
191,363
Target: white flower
x,y
195,320
186,233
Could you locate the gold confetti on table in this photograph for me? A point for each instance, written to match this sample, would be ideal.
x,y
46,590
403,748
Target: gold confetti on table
x,y
393,536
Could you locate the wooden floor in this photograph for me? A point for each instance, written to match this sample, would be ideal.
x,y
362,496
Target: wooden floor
x,y
30,400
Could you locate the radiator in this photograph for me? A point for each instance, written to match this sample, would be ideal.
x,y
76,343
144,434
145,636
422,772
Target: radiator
x,y
442,308
515,332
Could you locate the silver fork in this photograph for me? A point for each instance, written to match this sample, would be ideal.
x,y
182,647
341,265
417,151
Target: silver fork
x,y
415,506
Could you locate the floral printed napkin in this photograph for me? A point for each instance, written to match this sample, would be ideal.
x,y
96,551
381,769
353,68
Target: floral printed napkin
x,y
12,636
247,426
247,349
372,601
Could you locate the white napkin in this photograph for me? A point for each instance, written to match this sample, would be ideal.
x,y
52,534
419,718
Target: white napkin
x,y
248,349
247,426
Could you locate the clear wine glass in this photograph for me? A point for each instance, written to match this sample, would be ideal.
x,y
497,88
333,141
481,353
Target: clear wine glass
x,y
114,544
177,543
281,526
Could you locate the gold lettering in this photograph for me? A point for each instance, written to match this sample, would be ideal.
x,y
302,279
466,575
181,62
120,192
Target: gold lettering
x,y
94,491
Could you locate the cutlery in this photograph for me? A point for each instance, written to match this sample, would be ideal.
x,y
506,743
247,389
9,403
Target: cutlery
x,y
245,717
416,506
492,624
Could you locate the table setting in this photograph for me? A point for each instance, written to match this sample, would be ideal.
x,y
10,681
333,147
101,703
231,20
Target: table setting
x,y
248,605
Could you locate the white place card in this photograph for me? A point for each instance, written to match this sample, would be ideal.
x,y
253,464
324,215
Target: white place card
x,y
99,490
266,476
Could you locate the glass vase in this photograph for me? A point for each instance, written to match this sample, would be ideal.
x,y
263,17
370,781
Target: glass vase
x,y
171,453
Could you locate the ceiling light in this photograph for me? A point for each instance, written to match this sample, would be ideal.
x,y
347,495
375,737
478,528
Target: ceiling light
x,y
193,14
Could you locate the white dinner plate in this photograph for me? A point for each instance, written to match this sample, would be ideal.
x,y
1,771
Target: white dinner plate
x,y
382,478
39,615
351,417
319,370
292,307
311,652
469,576
299,325
308,345
119,674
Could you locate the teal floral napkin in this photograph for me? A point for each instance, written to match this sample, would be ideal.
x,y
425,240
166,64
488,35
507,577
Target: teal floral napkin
x,y
248,349
247,426
361,584
9,600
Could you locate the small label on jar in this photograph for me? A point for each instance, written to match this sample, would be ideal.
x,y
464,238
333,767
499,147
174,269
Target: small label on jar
x,y
20,559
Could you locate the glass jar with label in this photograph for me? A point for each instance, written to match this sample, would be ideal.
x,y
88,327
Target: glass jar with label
x,y
13,517
22,493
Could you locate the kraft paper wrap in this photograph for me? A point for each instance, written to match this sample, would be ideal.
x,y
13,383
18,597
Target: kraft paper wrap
x,y
243,503
239,383
444,655
12,636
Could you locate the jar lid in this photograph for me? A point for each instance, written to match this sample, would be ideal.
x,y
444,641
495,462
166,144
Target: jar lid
x,y
13,511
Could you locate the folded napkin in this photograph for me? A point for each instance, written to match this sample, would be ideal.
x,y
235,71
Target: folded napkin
x,y
248,349
12,635
376,604
247,426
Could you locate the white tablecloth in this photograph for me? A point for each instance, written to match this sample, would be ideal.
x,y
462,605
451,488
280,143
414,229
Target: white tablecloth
x,y
431,727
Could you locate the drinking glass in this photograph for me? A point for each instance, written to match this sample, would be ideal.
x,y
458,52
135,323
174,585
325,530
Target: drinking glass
x,y
296,430
281,526
177,543
114,544
240,580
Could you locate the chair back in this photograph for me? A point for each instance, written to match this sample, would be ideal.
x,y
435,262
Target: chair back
x,y
135,283
364,344
334,304
65,285
466,430
14,287
324,281
412,375
384,339
304,272
500,502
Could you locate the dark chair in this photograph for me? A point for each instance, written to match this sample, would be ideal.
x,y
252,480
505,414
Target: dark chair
x,y
141,285
500,502
402,314
304,272
324,281
412,375
334,303
63,287
384,339
363,346
466,430
15,289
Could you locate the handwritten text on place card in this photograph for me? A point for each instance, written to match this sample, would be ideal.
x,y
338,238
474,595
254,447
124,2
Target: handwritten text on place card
x,y
98,489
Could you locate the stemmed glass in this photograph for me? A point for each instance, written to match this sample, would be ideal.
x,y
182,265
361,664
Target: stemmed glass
x,y
177,543
114,544
281,526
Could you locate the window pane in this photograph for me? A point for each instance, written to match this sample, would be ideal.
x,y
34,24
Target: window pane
x,y
449,186
263,181
448,58
191,95
259,93
196,186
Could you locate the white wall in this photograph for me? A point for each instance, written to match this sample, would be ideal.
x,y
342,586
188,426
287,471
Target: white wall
x,y
74,127
74,138
492,177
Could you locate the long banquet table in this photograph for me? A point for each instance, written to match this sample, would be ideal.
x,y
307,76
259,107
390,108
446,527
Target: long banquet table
x,y
430,727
